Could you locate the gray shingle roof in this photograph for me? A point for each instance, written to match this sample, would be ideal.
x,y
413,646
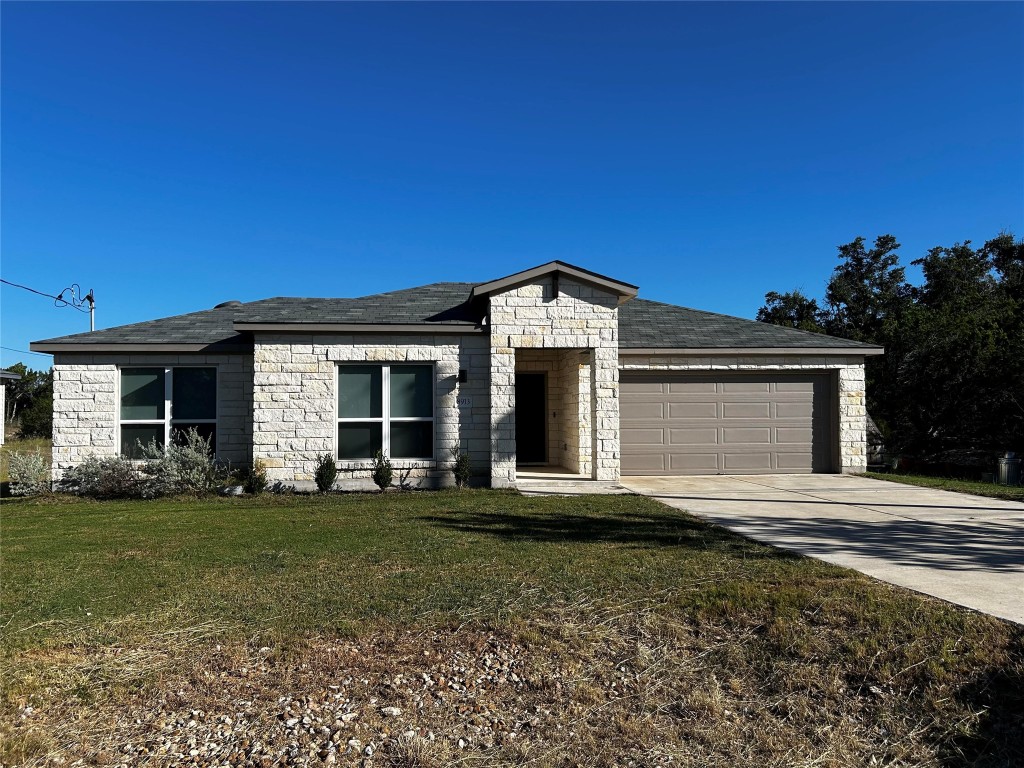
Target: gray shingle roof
x,y
209,326
642,323
434,303
652,324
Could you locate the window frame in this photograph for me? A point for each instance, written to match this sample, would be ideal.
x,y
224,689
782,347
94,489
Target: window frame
x,y
385,419
168,419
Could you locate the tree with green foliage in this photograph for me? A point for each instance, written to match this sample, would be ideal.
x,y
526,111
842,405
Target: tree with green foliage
x,y
792,310
961,378
29,401
867,289
950,387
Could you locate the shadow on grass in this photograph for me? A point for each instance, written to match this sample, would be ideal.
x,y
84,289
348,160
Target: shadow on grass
x,y
998,696
637,530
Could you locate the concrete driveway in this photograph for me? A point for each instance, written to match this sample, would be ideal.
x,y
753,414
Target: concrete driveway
x,y
965,549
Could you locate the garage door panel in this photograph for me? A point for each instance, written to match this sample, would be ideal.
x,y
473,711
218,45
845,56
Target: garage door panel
x,y
733,436
676,423
738,385
793,462
648,387
795,385
784,410
746,410
641,410
694,463
799,435
747,462
692,388
643,436
639,463
690,410
706,436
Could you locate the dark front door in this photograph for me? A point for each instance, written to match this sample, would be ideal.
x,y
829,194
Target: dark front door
x,y
531,421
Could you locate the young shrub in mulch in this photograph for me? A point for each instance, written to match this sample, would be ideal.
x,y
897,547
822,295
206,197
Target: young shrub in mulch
x,y
326,472
256,481
383,473
29,472
461,467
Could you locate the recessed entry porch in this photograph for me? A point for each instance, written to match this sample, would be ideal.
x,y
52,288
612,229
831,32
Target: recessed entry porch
x,y
552,414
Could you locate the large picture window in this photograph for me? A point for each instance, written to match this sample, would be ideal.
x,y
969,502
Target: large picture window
x,y
387,408
161,404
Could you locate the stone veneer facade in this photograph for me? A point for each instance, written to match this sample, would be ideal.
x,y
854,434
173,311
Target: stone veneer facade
x,y
279,403
849,386
553,314
295,391
85,412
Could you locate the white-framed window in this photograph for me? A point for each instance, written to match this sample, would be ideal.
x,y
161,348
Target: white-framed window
x,y
385,407
162,403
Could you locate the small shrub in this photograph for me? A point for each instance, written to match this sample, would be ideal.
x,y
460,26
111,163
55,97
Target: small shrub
x,y
186,466
461,467
110,477
29,472
383,473
256,481
326,472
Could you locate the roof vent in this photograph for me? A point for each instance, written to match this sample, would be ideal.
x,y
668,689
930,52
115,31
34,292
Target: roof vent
x,y
232,303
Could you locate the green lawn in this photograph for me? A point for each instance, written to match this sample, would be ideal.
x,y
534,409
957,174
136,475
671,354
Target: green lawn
x,y
300,563
976,487
749,655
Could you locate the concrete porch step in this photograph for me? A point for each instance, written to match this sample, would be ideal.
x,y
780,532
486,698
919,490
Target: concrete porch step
x,y
567,487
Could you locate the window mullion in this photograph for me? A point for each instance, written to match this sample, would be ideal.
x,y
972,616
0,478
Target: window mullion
x,y
168,405
385,404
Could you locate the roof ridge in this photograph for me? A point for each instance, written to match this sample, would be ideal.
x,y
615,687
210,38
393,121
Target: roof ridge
x,y
417,287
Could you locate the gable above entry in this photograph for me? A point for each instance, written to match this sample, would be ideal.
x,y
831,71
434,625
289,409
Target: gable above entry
x,y
625,291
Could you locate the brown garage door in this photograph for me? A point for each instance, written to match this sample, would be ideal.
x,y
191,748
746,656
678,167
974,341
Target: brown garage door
x,y
680,424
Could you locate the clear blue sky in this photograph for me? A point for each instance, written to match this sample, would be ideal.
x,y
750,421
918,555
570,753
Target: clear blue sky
x,y
174,155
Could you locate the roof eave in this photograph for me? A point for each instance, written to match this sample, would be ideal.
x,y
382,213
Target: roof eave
x,y
156,347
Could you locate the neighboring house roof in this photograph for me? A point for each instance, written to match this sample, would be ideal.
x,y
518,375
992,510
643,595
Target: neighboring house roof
x,y
441,308
10,375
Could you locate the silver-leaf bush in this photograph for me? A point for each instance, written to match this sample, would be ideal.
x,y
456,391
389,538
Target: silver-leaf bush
x,y
29,472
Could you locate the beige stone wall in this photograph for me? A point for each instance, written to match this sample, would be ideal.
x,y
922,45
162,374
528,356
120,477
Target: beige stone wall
x,y
576,407
536,316
85,409
295,391
849,372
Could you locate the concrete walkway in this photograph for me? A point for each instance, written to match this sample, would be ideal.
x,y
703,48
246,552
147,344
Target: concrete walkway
x,y
965,549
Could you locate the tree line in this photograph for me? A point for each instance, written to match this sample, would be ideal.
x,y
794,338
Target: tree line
x,y
29,401
950,387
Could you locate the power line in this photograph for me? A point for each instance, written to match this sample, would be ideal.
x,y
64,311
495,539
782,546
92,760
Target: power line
x,y
25,287
74,302
27,352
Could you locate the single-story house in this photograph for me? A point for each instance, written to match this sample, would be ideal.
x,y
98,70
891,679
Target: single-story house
x,y
553,366
5,376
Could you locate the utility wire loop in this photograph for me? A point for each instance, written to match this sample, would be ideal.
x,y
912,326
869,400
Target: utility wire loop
x,y
69,297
